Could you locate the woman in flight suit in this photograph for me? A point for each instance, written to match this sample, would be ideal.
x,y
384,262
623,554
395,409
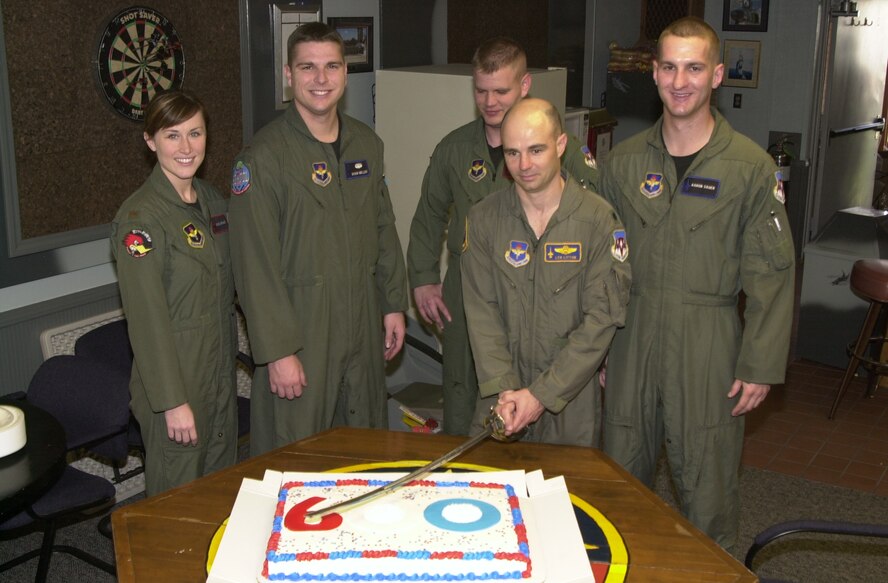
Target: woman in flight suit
x,y
170,240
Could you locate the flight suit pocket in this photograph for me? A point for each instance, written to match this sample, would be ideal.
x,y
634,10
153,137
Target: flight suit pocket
x,y
621,439
617,288
711,446
777,248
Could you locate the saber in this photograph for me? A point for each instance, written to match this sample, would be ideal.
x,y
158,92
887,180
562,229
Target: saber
x,y
493,426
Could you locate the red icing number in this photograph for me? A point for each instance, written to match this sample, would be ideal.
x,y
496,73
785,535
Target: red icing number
x,y
295,518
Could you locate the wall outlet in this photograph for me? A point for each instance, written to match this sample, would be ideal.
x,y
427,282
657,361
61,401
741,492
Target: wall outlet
x,y
738,100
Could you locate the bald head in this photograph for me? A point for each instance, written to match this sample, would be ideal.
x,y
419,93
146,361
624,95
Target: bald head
x,y
535,111
533,143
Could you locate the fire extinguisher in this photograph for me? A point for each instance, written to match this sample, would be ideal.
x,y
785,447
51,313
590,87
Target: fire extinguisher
x,y
782,157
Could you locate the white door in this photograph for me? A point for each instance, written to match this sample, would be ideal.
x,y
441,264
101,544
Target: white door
x,y
854,54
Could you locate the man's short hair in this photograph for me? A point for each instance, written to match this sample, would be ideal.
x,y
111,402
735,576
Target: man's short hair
x,y
316,32
498,52
692,26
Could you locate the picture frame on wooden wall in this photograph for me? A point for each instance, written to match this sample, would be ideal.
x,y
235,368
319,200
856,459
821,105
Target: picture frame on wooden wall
x,y
357,34
745,15
742,59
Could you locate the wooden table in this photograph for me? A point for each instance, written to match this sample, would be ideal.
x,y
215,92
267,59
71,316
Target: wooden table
x,y
166,537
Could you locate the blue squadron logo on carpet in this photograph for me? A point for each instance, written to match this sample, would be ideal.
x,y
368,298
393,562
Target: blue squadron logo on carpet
x,y
240,179
620,248
477,170
320,175
517,255
563,252
590,159
138,243
193,235
652,186
779,193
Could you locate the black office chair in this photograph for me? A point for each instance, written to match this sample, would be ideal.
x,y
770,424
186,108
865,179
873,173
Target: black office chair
x,y
76,391
109,343
782,529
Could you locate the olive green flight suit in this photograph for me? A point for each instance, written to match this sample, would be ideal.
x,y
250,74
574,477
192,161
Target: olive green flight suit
x,y
460,174
175,280
697,241
317,263
542,313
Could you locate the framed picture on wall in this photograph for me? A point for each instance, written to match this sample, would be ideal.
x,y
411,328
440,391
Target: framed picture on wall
x,y
745,15
357,33
742,63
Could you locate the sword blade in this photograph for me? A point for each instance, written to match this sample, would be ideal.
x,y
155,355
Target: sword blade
x,y
489,429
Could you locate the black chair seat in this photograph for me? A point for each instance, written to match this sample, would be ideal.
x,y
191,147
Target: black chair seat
x,y
74,489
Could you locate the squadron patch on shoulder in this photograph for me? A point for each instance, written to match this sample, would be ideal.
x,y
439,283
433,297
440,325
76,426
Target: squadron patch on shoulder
x,y
518,255
590,160
779,193
563,252
620,248
652,185
240,179
193,235
138,243
477,171
320,175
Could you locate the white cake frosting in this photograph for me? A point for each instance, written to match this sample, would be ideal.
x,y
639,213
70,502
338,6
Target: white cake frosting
x,y
429,530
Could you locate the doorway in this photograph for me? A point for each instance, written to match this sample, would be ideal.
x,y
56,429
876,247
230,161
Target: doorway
x,y
848,122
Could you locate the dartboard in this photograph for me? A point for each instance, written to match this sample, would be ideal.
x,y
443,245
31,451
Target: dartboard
x,y
139,54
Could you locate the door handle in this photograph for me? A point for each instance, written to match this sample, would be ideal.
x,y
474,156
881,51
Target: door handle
x,y
877,124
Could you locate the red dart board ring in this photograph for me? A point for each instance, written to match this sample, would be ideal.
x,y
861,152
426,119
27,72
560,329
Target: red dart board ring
x,y
139,55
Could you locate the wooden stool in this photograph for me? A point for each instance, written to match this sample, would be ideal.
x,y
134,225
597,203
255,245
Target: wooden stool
x,y
869,280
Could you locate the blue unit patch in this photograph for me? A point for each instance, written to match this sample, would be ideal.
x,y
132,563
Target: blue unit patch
x,y
357,169
240,179
518,255
563,252
477,171
702,187
620,248
589,158
779,192
652,185
320,175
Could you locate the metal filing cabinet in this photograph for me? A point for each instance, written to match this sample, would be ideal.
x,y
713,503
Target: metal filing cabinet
x,y
830,314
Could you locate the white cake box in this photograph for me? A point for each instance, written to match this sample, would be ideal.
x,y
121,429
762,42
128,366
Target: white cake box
x,y
556,546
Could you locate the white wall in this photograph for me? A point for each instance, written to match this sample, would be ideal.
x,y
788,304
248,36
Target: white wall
x,y
784,99
358,100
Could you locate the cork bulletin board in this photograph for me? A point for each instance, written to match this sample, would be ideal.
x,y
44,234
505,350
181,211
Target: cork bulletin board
x,y
69,156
